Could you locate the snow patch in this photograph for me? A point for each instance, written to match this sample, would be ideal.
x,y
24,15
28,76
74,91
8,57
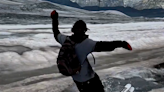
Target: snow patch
x,y
158,90
5,33
9,2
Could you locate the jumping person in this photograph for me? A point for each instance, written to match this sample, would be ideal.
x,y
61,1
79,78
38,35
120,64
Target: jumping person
x,y
87,79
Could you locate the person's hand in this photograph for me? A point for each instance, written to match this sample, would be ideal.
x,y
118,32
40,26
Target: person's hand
x,y
126,45
54,14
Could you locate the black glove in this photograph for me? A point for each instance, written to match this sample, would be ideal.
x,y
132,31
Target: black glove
x,y
126,45
54,14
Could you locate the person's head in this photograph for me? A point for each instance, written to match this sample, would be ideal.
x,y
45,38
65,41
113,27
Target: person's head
x,y
79,28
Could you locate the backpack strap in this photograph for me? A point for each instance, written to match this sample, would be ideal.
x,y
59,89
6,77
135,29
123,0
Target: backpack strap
x,y
93,58
75,44
72,42
88,60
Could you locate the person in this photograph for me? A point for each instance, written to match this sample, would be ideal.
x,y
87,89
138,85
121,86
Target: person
x,y
87,79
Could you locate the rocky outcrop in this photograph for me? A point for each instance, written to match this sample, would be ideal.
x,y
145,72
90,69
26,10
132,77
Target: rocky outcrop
x,y
137,4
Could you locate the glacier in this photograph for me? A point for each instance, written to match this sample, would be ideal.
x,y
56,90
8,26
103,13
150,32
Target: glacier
x,y
28,49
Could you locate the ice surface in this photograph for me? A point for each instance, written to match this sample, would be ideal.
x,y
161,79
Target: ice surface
x,y
9,2
111,12
43,49
132,32
141,35
45,86
109,78
18,27
158,90
5,33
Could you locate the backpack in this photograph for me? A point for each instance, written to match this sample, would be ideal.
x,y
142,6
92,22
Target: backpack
x,y
67,60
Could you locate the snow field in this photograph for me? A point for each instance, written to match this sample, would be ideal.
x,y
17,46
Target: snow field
x,y
142,35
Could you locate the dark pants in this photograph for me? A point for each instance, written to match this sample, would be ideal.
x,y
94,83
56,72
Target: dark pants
x,y
92,85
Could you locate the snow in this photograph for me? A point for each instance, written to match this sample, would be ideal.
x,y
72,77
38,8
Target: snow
x,y
121,72
139,69
8,57
31,79
5,33
39,56
9,2
129,31
24,26
111,12
141,35
46,86
158,90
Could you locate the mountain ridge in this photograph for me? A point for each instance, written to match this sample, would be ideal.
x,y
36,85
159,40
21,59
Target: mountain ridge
x,y
136,4
130,11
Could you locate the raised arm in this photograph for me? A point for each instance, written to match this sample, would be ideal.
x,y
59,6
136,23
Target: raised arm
x,y
55,23
111,45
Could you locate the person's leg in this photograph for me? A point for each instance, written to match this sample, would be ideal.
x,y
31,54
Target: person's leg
x,y
96,84
81,86
92,85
